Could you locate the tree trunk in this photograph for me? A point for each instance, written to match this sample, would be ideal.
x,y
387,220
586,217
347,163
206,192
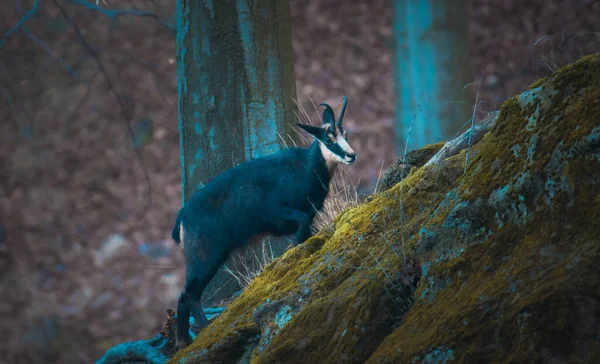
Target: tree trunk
x,y
432,69
236,87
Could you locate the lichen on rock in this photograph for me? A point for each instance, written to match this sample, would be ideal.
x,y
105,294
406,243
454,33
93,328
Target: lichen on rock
x,y
493,263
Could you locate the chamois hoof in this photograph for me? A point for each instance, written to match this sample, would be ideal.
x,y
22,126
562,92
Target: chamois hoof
x,y
183,344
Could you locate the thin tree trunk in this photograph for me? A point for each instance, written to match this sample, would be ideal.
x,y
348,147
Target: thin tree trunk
x,y
432,69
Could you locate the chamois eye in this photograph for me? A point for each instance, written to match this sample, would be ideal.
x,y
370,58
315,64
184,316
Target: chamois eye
x,y
328,141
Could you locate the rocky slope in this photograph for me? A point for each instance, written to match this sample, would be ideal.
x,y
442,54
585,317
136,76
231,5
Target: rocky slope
x,y
492,262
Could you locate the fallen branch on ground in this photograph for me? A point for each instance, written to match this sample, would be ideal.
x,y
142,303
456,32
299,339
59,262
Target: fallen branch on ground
x,y
469,137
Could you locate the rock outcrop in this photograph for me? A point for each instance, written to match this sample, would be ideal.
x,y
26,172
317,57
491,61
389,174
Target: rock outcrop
x,y
401,168
495,262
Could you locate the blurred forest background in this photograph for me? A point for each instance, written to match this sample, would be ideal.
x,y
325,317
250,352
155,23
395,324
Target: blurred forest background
x,y
86,260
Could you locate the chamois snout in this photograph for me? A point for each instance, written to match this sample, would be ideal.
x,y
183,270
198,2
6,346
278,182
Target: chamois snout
x,y
348,155
350,158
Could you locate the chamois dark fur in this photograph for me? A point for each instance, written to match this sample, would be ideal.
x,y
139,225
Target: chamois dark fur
x,y
275,195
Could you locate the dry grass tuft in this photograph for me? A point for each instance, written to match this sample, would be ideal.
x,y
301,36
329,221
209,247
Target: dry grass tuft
x,y
247,268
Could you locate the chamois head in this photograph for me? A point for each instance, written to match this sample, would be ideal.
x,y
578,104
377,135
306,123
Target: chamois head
x,y
332,137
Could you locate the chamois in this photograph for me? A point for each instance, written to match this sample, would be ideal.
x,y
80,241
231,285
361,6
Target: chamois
x,y
275,195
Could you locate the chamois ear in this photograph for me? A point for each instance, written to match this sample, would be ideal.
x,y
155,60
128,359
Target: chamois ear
x,y
312,130
328,115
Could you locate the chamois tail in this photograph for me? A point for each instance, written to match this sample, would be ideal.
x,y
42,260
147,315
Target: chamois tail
x,y
175,233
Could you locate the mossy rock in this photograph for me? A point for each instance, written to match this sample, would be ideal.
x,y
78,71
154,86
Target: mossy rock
x,y
504,256
401,168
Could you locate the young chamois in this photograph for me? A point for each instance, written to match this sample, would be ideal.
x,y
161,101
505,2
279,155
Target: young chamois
x,y
275,195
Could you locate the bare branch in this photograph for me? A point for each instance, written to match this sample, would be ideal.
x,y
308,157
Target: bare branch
x,y
465,140
115,14
472,127
20,23
43,44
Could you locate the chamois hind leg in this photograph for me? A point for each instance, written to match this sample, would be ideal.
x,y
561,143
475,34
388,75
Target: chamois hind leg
x,y
182,334
199,272
303,232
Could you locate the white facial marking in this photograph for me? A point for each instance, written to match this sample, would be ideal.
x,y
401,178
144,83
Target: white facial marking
x,y
343,143
331,159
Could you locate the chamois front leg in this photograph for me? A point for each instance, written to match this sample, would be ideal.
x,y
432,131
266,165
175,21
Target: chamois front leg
x,y
303,221
303,233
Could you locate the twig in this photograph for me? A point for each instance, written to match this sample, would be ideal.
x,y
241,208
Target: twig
x,y
12,106
472,128
378,178
19,23
400,215
43,44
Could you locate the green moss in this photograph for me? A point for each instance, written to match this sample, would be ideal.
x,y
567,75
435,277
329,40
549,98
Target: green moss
x,y
539,82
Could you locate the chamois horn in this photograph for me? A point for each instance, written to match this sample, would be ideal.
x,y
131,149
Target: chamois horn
x,y
339,122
